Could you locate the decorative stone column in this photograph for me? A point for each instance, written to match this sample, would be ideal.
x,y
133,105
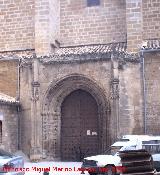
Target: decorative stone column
x,y
35,152
114,98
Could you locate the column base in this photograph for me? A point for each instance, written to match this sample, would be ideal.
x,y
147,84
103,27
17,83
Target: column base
x,y
35,154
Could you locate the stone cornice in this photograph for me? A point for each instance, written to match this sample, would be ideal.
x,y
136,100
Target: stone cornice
x,y
79,54
7,100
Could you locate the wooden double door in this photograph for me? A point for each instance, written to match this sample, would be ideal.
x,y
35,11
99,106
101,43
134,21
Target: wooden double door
x,y
79,126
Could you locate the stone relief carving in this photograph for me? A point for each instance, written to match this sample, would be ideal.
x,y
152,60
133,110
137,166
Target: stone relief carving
x,y
114,88
35,91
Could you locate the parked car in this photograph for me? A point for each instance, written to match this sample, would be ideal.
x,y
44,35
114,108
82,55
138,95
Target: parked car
x,y
11,164
110,161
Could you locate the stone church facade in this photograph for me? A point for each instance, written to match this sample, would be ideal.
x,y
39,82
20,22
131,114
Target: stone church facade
x,y
83,73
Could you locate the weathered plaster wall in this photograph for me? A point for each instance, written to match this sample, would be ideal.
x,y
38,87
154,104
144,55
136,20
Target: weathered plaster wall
x,y
25,99
9,127
9,77
130,102
152,71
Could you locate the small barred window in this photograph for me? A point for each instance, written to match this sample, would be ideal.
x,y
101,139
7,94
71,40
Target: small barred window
x,y
91,3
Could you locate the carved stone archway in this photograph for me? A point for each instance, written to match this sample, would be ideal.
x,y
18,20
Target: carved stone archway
x,y
51,112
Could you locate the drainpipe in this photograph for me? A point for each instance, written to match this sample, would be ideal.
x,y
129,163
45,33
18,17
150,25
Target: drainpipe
x,y
144,91
18,108
19,129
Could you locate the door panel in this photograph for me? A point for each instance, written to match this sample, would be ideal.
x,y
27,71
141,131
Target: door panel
x,y
79,126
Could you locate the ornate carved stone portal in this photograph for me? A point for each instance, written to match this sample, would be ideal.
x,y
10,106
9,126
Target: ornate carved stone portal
x,y
51,113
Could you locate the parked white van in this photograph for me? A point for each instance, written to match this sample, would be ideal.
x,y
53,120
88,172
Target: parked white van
x,y
110,159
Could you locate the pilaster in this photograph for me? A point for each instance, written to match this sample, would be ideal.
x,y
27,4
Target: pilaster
x,y
114,97
35,152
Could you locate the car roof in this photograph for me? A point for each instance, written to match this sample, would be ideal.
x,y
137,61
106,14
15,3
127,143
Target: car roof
x,y
141,137
126,143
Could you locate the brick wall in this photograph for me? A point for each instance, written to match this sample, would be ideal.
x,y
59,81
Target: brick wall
x,y
17,24
42,26
54,20
152,72
151,19
37,23
46,25
143,22
80,24
9,127
8,77
134,24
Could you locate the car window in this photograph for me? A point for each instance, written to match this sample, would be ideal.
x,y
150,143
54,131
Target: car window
x,y
107,151
123,140
152,146
153,149
115,149
112,150
5,153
